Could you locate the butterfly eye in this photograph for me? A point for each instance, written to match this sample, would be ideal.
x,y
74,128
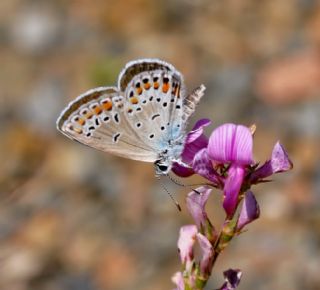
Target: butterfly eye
x,y
161,167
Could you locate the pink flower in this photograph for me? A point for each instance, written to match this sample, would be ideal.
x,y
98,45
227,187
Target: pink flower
x,y
227,161
196,201
207,254
187,238
231,145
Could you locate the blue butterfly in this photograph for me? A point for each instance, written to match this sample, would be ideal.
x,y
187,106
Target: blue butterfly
x,y
143,118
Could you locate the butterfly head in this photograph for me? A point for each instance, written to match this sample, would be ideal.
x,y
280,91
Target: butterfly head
x,y
162,166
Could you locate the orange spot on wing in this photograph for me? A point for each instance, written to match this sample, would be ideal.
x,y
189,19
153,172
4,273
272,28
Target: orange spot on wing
x,y
165,88
81,121
89,115
147,86
156,85
134,100
139,91
97,110
107,105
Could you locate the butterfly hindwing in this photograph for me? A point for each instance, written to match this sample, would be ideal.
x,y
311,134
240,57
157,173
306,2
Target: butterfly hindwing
x,y
97,119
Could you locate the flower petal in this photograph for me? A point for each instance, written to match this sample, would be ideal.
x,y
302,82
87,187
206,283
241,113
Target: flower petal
x,y
195,141
231,143
185,243
196,202
279,162
232,279
197,130
181,171
177,279
191,149
249,212
202,165
207,255
232,188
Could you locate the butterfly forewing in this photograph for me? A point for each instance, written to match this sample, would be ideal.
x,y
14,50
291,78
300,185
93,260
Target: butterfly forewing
x,y
153,90
97,119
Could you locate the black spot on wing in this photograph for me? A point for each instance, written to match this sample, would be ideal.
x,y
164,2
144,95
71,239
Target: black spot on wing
x,y
155,116
116,137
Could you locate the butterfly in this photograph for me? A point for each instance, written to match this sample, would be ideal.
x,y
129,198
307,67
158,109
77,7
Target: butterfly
x,y
144,118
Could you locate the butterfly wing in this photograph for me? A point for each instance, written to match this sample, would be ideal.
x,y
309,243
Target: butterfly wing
x,y
154,90
97,118
191,101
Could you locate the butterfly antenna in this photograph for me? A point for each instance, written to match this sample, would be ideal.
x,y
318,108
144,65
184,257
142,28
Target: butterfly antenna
x,y
171,196
175,181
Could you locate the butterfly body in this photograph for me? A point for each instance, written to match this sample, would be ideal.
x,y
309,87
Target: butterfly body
x,y
144,118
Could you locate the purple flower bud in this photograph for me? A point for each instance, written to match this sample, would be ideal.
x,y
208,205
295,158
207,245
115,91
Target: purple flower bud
x,y
231,143
249,212
195,141
232,279
186,241
279,162
177,279
196,201
207,255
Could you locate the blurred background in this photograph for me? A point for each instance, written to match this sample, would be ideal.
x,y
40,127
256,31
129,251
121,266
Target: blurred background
x,y
72,218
